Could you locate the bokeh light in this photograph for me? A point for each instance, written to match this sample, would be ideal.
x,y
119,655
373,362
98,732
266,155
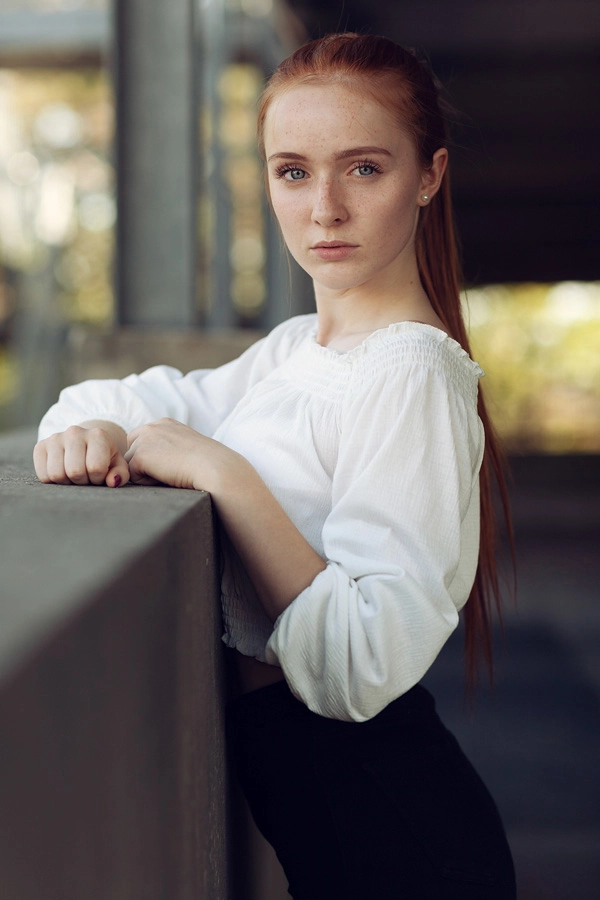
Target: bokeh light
x,y
540,348
57,205
239,88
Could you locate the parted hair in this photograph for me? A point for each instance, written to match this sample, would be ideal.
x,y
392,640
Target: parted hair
x,y
404,84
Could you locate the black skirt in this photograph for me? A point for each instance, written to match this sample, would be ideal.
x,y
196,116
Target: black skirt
x,y
379,810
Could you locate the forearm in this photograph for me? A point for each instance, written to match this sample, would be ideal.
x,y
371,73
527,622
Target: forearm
x,y
277,558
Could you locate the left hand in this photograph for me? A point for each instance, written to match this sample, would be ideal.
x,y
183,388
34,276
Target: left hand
x,y
167,452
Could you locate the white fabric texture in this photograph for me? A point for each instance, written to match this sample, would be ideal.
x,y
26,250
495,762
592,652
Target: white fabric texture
x,y
374,454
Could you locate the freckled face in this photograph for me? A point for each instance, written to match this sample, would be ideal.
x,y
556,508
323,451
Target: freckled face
x,y
345,185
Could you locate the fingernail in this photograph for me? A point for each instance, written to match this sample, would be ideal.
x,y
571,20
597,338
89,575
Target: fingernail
x,y
117,480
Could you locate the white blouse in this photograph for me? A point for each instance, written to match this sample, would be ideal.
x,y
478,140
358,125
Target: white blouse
x,y
374,454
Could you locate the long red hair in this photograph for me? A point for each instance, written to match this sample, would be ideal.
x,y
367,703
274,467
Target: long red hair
x,y
406,87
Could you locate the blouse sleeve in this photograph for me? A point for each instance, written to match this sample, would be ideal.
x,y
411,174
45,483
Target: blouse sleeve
x,y
201,399
401,545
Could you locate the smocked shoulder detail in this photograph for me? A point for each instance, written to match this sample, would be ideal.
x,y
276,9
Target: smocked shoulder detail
x,y
408,344
393,350
409,333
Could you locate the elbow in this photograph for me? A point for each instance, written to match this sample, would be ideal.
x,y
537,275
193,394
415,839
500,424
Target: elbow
x,y
349,660
371,686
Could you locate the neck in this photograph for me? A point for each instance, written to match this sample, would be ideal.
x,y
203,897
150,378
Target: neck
x,y
346,317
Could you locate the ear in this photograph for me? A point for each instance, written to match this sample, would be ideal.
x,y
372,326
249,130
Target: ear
x,y
431,178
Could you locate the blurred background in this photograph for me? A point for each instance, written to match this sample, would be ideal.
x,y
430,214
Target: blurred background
x,y
147,109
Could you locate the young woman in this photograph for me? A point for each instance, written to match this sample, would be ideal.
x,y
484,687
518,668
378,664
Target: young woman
x,y
343,453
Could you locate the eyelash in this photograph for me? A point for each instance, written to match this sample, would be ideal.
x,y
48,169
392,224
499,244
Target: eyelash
x,y
368,163
281,171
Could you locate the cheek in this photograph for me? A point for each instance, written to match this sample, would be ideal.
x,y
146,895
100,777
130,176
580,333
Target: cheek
x,y
288,213
402,211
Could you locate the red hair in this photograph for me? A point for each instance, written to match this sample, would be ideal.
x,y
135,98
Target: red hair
x,y
406,87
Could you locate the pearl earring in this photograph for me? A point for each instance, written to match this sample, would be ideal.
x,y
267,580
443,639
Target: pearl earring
x,y
425,198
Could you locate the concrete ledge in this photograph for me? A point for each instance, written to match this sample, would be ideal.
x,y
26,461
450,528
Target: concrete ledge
x,y
118,353
112,781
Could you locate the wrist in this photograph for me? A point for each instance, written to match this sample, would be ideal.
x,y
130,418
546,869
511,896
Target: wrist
x,y
224,476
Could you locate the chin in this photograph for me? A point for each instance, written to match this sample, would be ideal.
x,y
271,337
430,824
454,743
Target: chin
x,y
340,281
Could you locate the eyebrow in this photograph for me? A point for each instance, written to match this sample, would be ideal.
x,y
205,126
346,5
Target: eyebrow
x,y
344,154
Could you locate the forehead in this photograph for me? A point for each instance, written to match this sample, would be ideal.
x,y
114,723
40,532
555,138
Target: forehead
x,y
329,114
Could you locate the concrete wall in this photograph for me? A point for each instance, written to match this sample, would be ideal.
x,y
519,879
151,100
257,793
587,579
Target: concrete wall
x,y
112,780
112,775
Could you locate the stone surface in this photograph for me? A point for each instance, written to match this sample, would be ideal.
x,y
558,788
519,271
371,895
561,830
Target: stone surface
x,y
113,779
59,543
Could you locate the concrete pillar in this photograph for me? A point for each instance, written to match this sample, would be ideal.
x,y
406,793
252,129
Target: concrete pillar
x,y
156,156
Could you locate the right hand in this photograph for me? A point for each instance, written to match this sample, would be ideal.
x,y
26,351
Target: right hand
x,y
82,455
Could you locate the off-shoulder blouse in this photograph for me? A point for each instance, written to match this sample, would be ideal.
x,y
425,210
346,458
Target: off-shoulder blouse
x,y
374,454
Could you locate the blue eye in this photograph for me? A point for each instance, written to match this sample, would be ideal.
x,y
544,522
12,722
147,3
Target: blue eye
x,y
366,168
290,173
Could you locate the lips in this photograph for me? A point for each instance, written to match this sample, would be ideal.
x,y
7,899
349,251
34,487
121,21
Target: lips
x,y
328,244
333,250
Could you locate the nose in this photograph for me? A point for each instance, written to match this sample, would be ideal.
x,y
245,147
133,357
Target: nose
x,y
329,207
